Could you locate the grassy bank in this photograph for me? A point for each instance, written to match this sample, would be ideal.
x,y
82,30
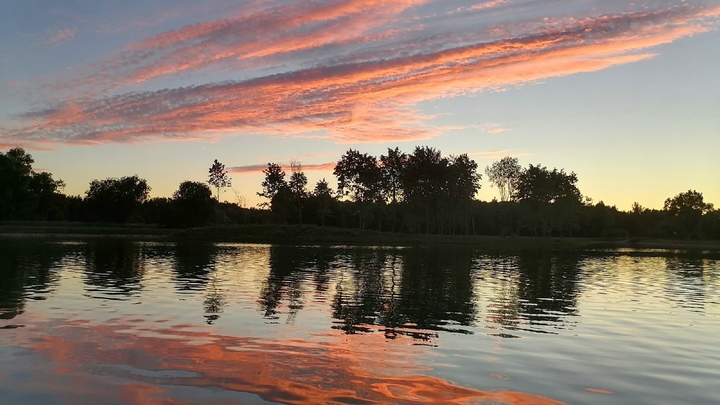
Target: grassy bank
x,y
81,229
315,235
310,234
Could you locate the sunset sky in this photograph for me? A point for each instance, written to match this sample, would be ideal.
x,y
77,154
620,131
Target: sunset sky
x,y
625,94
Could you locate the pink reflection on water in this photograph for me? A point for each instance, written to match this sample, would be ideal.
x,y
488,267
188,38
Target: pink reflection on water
x,y
122,360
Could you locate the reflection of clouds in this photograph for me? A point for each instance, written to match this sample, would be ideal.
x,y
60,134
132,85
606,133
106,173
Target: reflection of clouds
x,y
112,361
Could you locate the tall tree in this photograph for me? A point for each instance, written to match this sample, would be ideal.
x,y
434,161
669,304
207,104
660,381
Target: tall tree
x,y
392,166
297,185
503,174
359,178
462,182
116,200
425,180
218,177
273,183
323,195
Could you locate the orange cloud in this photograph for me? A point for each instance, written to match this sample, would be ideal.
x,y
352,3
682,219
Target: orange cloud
x,y
495,128
366,96
496,154
286,167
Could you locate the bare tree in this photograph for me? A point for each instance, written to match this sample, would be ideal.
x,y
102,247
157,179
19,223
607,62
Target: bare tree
x,y
503,174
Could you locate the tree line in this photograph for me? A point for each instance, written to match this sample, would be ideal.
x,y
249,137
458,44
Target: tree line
x,y
418,192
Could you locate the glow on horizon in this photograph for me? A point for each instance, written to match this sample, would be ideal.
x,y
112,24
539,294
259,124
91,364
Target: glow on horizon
x,y
279,80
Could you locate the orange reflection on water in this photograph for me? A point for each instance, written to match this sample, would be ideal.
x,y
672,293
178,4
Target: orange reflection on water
x,y
598,391
141,368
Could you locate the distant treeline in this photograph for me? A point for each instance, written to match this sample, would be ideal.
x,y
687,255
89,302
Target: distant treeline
x,y
420,192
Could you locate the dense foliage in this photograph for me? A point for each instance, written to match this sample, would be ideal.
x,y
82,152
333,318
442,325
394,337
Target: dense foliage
x,y
419,192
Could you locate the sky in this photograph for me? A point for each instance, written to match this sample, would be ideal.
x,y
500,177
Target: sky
x,y
625,94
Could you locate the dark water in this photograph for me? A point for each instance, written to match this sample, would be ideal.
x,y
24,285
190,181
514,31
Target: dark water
x,y
121,322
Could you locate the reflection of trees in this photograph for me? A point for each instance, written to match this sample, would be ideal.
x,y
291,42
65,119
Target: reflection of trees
x,y
289,267
193,264
114,267
195,271
537,288
359,299
407,292
391,317
687,280
437,288
28,270
214,300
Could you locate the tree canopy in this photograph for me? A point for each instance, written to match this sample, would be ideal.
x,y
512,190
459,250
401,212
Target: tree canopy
x,y
358,176
273,183
25,193
116,200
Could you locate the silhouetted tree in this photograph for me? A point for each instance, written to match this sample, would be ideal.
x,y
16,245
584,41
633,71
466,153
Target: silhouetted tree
x,y
359,178
392,167
323,197
274,182
15,175
424,180
218,177
710,224
44,196
296,185
462,184
24,193
193,204
689,208
116,200
550,199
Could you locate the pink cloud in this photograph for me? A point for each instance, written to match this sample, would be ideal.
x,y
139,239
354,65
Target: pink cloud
x,y
482,6
368,96
62,35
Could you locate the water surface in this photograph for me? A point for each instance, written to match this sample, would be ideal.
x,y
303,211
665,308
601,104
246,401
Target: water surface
x,y
122,322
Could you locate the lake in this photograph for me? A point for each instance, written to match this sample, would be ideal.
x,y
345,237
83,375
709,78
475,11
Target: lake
x,y
124,322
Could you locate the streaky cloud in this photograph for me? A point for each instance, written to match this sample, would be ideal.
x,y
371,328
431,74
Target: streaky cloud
x,y
366,96
286,167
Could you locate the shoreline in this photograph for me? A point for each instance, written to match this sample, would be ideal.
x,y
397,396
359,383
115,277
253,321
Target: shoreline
x,y
311,234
